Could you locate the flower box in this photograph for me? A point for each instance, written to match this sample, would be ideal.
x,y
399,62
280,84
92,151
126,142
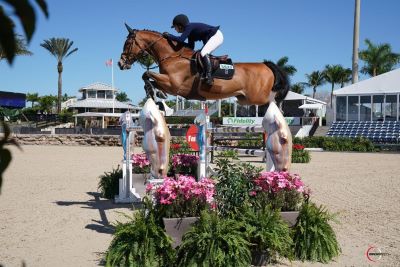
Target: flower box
x,y
177,227
290,217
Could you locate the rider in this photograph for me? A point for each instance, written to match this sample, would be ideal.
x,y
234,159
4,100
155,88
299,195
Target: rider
x,y
193,31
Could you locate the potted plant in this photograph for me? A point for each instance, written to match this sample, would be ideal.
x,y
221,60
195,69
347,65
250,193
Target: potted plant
x,y
180,200
268,234
299,155
214,241
313,237
109,183
233,184
284,191
140,166
141,241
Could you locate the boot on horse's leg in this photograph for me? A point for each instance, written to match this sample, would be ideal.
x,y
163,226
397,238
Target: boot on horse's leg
x,y
148,87
207,69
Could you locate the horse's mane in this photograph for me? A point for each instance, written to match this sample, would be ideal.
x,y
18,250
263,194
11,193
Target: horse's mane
x,y
147,30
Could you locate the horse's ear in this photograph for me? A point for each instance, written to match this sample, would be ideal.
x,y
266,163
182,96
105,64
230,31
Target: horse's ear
x,y
130,30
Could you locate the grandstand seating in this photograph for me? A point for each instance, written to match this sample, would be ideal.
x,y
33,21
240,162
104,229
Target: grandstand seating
x,y
381,132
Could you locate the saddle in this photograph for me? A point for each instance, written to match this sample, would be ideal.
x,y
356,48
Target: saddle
x,y
222,66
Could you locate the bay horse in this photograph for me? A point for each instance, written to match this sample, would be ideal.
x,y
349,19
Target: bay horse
x,y
251,84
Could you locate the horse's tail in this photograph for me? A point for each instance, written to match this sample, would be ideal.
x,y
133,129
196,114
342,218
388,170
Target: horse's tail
x,y
281,84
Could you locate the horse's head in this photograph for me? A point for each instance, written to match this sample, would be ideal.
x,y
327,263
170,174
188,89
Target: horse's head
x,y
132,50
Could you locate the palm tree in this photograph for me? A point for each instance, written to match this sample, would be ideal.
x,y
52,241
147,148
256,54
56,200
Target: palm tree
x,y
315,79
297,88
289,69
47,103
146,61
59,48
32,98
122,97
333,75
378,58
345,76
20,48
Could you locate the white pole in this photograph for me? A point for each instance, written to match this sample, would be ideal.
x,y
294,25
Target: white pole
x,y
356,41
112,83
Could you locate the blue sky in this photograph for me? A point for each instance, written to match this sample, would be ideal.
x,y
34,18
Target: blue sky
x,y
312,33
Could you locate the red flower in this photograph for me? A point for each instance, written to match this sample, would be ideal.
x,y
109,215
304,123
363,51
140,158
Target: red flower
x,y
298,147
175,146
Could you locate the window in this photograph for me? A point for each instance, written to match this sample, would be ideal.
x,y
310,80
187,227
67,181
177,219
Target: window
x,y
109,94
353,108
390,108
91,93
365,108
377,108
101,94
341,108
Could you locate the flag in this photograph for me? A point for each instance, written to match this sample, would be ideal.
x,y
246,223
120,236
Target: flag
x,y
109,62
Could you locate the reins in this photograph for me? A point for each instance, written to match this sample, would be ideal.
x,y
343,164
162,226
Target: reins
x,y
142,50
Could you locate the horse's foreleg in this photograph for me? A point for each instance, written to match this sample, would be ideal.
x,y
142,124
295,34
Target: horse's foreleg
x,y
160,81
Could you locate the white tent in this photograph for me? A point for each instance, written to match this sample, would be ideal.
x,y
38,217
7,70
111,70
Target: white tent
x,y
387,83
311,106
295,96
373,99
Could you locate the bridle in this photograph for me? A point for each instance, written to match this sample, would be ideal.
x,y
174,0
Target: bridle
x,y
133,58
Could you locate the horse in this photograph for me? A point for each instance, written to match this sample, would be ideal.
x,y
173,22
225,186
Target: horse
x,y
252,83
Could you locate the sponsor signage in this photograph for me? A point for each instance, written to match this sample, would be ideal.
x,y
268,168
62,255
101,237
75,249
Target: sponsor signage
x,y
254,121
191,137
242,121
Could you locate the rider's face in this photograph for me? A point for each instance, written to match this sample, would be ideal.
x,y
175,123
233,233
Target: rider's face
x,y
178,28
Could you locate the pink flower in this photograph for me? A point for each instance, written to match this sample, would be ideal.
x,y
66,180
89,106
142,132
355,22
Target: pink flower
x,y
185,193
253,193
149,187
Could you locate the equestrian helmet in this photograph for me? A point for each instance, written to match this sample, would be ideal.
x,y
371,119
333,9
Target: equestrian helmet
x,y
181,20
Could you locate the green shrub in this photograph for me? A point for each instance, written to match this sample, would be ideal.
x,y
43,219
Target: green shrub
x,y
228,154
140,242
313,237
252,143
300,156
267,232
328,143
109,183
214,241
234,182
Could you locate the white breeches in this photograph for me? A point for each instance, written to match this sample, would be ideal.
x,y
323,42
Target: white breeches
x,y
212,44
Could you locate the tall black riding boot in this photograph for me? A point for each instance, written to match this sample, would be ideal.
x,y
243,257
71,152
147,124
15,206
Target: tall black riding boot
x,y
207,69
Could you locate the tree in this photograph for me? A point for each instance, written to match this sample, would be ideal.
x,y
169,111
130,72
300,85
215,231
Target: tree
x,y
333,75
59,48
20,48
25,12
378,58
289,69
32,98
122,97
47,102
315,79
297,88
146,61
345,76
